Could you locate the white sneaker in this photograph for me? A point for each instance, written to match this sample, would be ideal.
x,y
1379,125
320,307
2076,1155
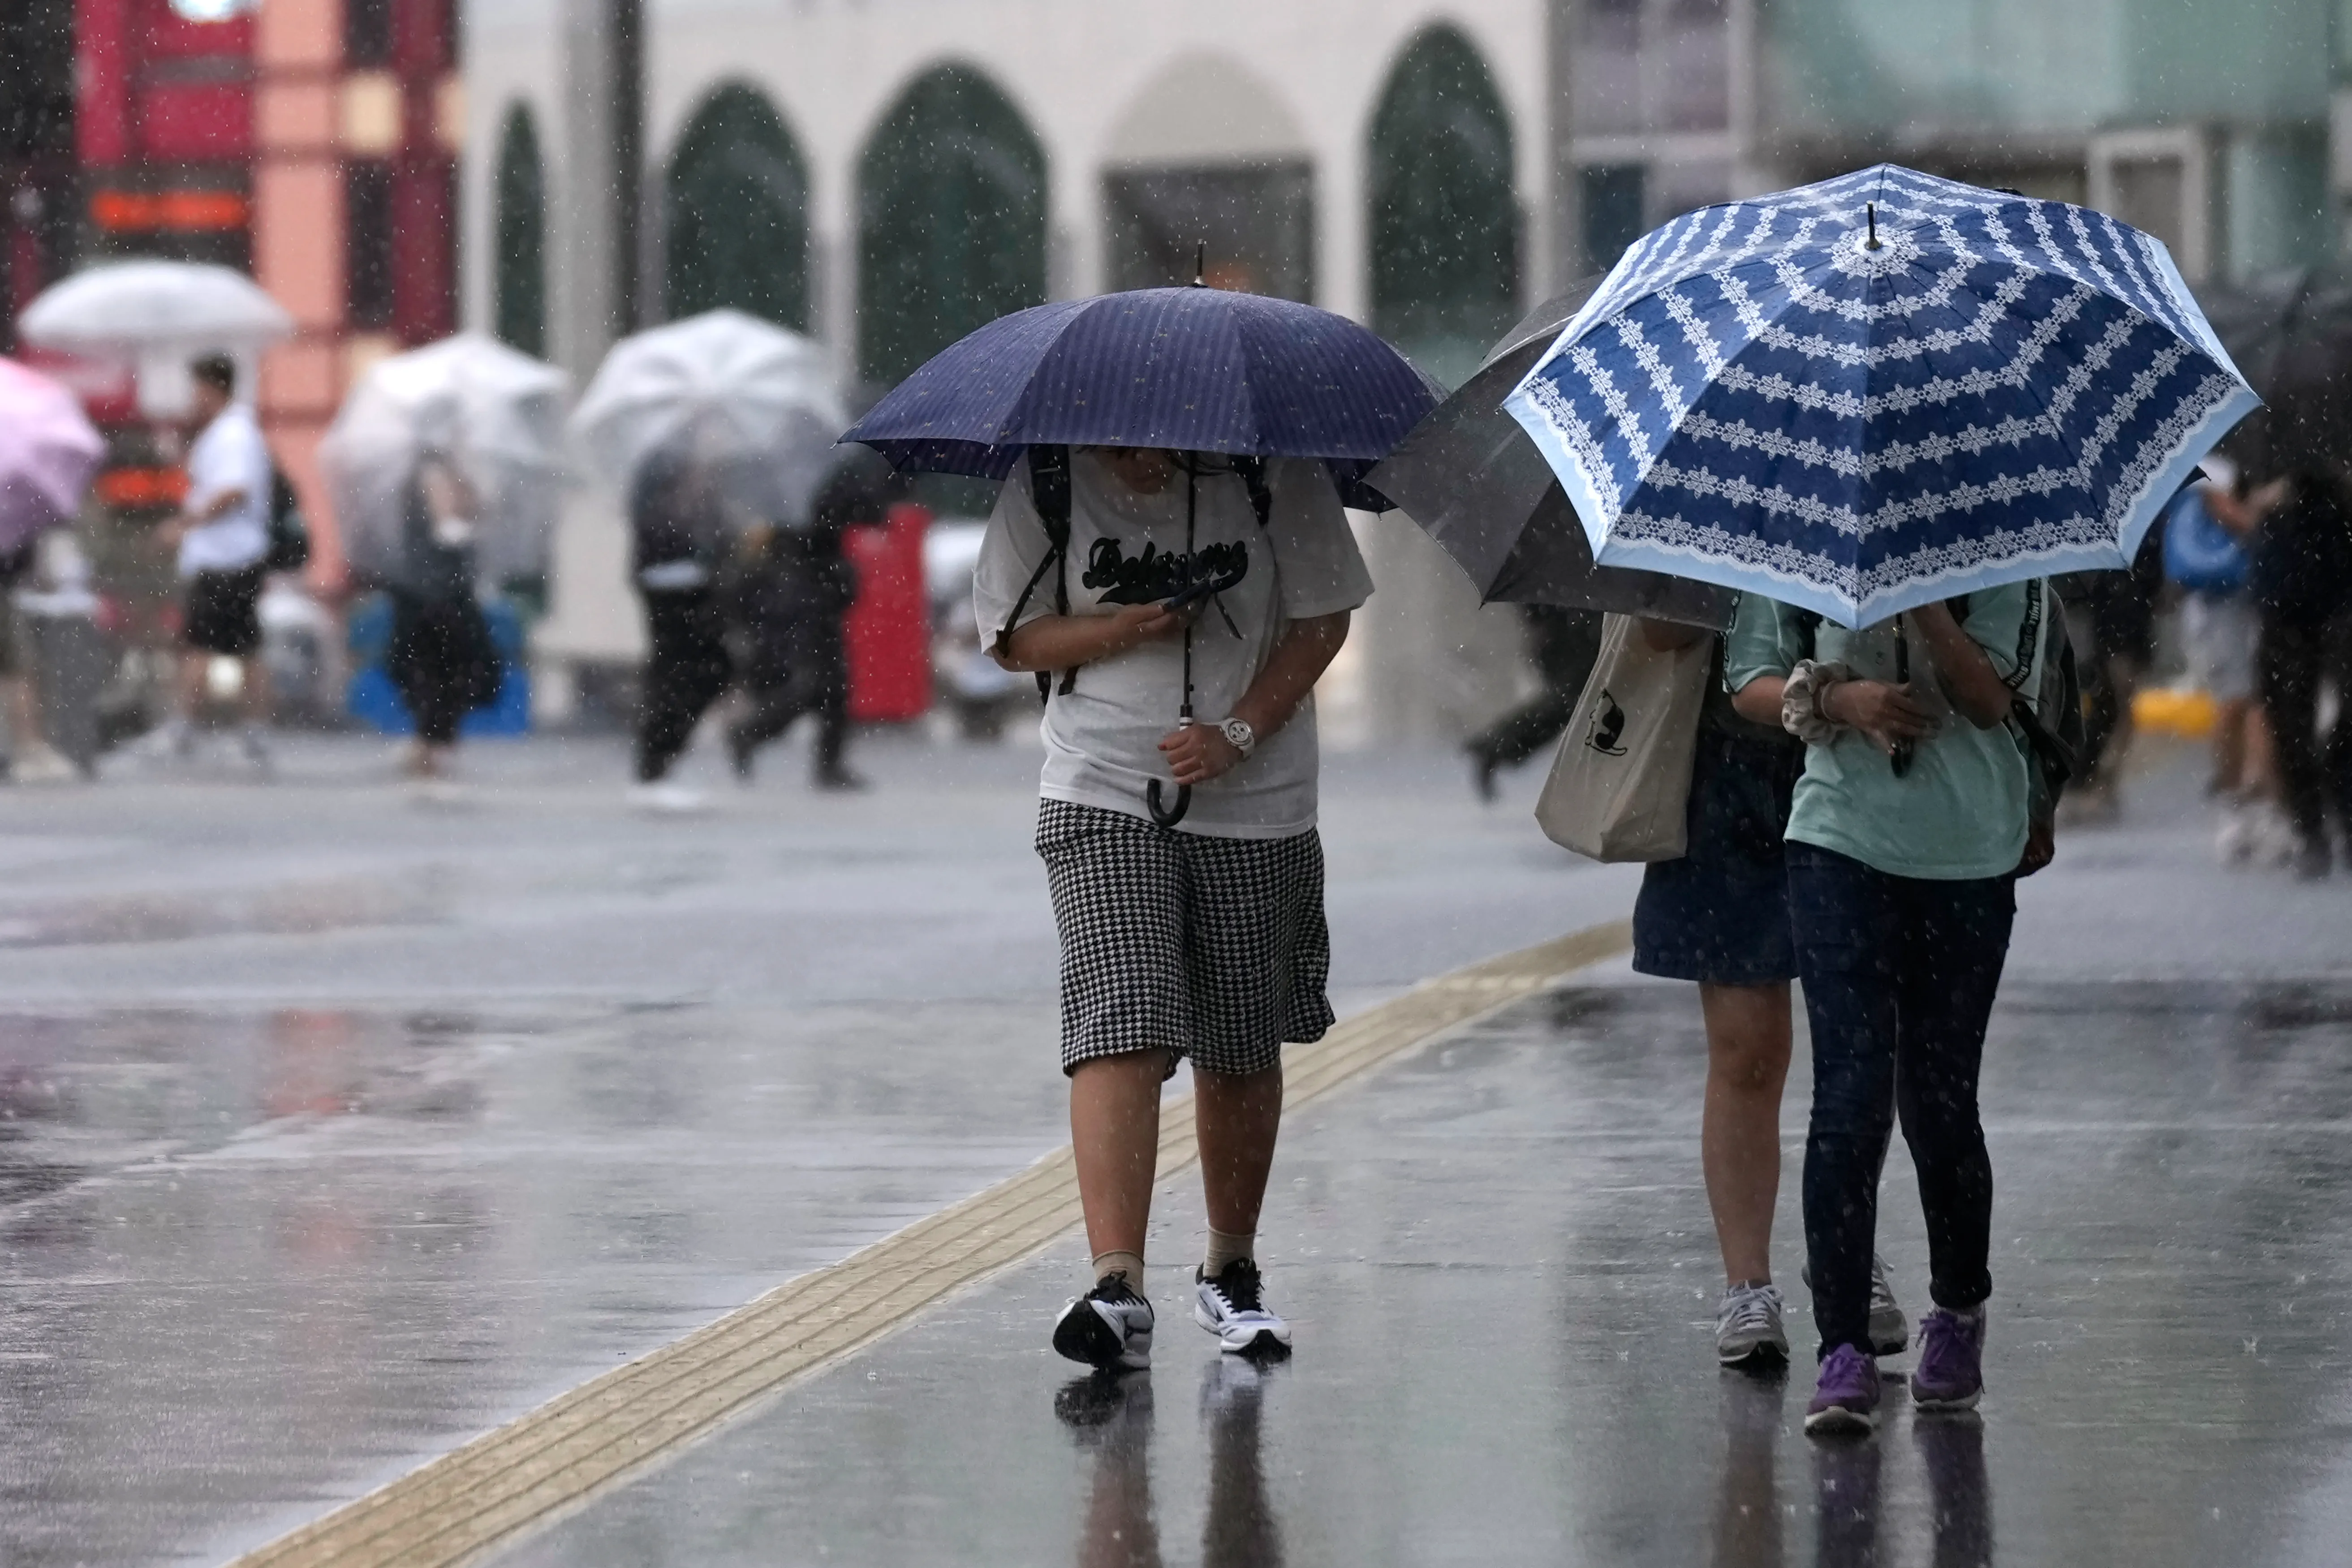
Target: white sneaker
x,y
2276,839
667,799
1110,1326
42,763
1747,1328
175,739
2234,844
1233,1308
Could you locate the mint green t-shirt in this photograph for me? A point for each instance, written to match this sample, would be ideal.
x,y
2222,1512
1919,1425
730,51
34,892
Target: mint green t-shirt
x,y
1959,812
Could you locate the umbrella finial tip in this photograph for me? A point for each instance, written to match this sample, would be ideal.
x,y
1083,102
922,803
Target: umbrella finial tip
x,y
1870,210
1201,265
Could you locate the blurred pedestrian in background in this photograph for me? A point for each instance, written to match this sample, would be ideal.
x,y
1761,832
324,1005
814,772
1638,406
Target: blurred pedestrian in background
x,y
1565,642
1207,941
30,758
2209,535
793,587
1719,915
2111,617
2302,581
441,657
1905,834
680,539
222,533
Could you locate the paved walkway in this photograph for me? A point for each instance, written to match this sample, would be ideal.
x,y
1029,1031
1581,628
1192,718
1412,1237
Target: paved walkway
x,y
336,1130
1503,1277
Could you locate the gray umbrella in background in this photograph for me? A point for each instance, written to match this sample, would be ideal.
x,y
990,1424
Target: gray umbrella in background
x,y
745,402
495,414
1469,476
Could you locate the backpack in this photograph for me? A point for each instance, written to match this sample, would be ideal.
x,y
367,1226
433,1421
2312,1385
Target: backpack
x,y
1049,489
2049,731
2199,553
290,535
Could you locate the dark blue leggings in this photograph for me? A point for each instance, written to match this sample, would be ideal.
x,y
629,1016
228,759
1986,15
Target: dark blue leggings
x,y
1899,976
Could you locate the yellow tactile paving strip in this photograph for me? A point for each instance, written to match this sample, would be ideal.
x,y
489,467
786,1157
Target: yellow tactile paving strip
x,y
499,1483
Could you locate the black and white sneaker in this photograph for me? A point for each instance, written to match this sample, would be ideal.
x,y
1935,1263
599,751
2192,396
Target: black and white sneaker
x,y
1231,1306
1109,1327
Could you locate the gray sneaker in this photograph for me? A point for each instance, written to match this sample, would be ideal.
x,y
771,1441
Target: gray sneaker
x,y
1890,1330
1748,1330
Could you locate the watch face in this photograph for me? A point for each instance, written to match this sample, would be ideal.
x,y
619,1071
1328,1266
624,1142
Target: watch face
x,y
1238,732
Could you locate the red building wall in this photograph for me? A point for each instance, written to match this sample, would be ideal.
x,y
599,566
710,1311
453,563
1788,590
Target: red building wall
x,y
239,141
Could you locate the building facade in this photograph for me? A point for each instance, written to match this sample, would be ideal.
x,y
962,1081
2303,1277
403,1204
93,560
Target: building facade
x,y
2204,122
313,142
886,174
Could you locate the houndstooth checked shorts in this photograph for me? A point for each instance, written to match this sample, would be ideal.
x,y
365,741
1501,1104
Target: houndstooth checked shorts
x,y
1212,948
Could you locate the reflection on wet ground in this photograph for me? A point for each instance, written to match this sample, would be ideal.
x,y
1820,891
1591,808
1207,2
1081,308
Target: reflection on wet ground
x,y
250,1263
1498,1259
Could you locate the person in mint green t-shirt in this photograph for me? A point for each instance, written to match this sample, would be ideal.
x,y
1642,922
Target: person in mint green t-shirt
x,y
1904,843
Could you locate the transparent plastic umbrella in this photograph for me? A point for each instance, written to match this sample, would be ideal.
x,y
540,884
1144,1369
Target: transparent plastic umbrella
x,y
753,406
49,450
123,307
497,416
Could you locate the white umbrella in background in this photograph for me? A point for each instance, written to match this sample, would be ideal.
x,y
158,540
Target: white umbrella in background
x,y
159,315
751,404
496,415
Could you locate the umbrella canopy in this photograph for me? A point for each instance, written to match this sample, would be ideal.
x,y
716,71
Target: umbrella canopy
x,y
1200,370
2291,333
1469,476
1880,391
126,306
495,414
49,450
752,405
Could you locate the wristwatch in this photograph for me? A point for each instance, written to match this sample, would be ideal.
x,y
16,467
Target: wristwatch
x,y
1237,731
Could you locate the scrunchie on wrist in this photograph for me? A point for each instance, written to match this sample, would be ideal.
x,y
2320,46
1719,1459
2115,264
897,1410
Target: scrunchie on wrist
x,y
1803,707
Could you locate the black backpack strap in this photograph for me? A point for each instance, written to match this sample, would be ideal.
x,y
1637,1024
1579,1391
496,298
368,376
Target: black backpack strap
x,y
1252,470
1049,491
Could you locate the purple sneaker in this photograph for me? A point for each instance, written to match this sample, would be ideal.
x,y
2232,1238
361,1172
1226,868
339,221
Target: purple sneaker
x,y
1951,1361
1846,1397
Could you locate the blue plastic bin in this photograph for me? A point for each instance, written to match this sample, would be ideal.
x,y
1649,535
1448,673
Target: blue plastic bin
x,y
376,702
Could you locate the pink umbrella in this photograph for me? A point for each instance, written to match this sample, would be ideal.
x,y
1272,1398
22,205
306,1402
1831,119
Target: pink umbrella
x,y
49,450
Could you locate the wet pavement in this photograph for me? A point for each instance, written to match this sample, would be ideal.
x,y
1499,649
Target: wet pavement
x,y
1497,1259
336,1127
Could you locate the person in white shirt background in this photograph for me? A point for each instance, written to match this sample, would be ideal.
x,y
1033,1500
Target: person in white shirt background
x,y
223,533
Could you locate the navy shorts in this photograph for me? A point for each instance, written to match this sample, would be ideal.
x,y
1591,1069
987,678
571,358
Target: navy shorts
x,y
1721,915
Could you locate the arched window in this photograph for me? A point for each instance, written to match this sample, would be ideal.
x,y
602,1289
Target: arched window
x,y
520,290
738,222
1444,220
951,221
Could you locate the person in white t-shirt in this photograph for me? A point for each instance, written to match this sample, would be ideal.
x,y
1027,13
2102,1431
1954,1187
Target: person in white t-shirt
x,y
1201,938
223,530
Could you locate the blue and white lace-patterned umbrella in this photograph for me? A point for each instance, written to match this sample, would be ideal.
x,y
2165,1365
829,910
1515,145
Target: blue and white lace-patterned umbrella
x,y
1880,391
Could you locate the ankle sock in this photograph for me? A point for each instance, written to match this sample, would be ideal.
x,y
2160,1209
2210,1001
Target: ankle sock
x,y
1129,1264
1226,1247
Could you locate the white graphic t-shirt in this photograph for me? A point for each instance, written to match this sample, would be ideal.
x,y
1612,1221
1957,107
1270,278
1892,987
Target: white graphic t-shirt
x,y
1102,737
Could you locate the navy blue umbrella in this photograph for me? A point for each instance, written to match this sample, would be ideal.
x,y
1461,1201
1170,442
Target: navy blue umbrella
x,y
1195,370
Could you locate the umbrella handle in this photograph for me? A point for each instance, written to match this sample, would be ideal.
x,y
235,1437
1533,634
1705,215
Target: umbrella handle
x,y
1170,816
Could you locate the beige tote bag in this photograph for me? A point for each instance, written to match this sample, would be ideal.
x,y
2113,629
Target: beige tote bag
x,y
1621,784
